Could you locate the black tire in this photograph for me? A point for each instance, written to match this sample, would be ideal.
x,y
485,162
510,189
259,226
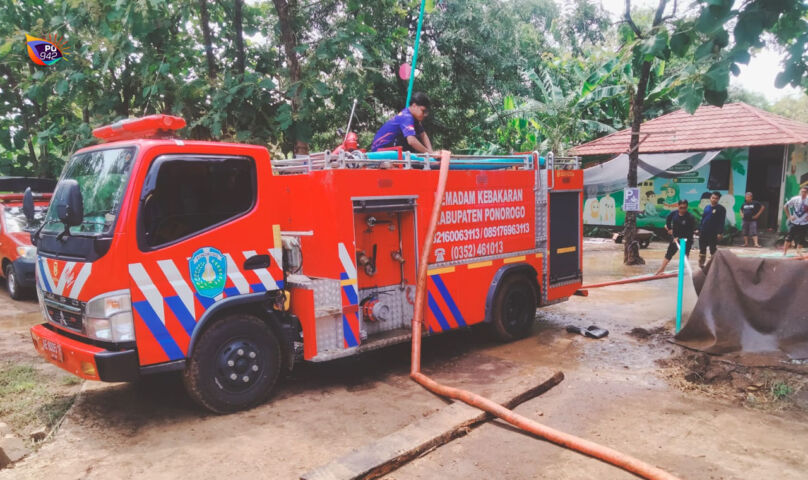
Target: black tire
x,y
15,290
223,375
645,243
514,309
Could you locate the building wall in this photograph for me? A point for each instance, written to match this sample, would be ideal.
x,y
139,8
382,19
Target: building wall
x,y
659,196
796,175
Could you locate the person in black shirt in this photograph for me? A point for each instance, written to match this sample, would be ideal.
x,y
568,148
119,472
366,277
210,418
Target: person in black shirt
x,y
679,224
751,210
712,227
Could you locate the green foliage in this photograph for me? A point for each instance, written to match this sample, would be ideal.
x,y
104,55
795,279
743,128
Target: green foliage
x,y
569,105
794,108
781,390
556,64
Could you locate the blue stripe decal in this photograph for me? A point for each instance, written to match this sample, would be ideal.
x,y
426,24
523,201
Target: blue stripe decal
x,y
44,278
205,301
343,276
348,333
231,292
183,315
436,311
258,287
280,283
447,297
158,330
351,294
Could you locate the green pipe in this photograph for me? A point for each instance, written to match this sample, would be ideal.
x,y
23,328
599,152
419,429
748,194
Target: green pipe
x,y
680,290
415,53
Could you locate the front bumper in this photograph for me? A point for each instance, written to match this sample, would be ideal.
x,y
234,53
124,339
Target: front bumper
x,y
24,268
84,360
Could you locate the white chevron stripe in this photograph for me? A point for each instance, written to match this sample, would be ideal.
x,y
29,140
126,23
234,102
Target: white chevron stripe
x,y
234,272
174,277
84,274
263,274
277,257
47,281
144,283
60,285
38,276
347,261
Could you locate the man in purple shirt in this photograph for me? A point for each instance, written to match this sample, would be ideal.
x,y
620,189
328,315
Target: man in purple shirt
x,y
405,129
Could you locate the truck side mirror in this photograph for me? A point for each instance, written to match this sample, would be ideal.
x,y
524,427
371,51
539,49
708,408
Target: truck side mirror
x,y
28,204
68,202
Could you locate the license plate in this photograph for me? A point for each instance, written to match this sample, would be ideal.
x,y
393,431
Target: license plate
x,y
53,349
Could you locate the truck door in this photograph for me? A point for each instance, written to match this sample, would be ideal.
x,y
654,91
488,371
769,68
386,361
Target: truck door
x,y
565,236
199,239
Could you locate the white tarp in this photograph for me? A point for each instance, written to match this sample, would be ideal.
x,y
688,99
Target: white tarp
x,y
610,176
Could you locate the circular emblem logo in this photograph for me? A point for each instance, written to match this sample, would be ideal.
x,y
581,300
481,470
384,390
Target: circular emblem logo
x,y
208,271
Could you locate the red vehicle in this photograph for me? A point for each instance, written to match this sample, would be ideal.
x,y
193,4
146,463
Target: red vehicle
x,y
17,255
161,254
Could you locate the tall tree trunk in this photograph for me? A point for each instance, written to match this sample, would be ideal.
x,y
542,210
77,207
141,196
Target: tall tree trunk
x,y
204,16
238,24
287,11
631,251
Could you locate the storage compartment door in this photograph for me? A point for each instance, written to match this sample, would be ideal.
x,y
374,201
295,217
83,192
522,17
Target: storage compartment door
x,y
565,236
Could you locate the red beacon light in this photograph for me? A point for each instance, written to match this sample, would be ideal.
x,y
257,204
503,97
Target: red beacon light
x,y
152,126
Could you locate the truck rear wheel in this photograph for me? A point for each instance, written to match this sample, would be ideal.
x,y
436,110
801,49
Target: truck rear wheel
x,y
235,364
514,308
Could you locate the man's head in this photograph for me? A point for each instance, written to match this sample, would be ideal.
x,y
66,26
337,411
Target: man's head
x,y
715,197
682,207
804,191
749,196
704,200
419,106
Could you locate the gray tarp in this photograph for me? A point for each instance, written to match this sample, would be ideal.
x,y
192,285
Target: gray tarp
x,y
750,305
610,176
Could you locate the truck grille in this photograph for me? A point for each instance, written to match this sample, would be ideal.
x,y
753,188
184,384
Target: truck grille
x,y
66,312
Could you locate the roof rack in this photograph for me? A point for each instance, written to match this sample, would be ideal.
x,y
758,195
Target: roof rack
x,y
402,160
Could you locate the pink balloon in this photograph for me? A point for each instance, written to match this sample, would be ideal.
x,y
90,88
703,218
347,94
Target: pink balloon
x,y
404,71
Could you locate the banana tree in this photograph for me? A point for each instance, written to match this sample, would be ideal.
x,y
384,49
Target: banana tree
x,y
563,113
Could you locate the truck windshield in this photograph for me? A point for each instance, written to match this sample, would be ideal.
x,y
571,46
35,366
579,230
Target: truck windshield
x,y
102,176
16,221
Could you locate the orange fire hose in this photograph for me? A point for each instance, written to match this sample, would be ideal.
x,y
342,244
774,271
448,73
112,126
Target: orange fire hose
x,y
624,281
586,447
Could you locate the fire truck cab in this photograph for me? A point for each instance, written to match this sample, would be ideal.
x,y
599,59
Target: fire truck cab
x,y
161,254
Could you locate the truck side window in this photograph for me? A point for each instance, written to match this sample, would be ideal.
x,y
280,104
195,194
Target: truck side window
x,y
189,195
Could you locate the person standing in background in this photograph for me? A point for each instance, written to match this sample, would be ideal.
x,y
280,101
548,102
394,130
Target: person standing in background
x,y
751,210
679,224
711,229
796,210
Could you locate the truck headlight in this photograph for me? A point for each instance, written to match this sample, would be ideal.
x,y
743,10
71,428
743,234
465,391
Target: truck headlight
x,y
109,317
28,252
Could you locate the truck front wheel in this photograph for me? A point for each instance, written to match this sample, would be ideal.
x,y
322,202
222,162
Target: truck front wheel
x,y
514,308
15,290
234,365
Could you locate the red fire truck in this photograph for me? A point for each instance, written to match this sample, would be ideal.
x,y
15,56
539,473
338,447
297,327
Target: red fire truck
x,y
161,254
20,214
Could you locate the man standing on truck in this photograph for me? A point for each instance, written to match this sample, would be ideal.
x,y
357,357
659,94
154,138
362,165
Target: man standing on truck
x,y
405,129
679,224
712,227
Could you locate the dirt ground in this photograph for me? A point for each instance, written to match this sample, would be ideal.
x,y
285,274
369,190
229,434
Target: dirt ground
x,y
33,394
627,391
